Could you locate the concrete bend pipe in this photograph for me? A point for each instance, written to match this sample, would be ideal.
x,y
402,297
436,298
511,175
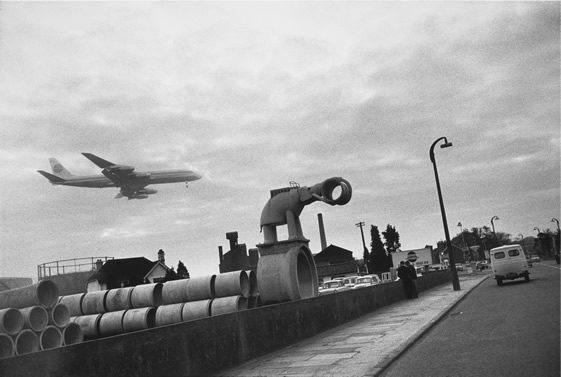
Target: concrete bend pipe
x,y
287,276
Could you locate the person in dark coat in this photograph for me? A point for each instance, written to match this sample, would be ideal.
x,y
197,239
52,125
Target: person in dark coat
x,y
412,279
405,278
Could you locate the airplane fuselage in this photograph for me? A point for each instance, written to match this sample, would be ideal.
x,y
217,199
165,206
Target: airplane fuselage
x,y
140,179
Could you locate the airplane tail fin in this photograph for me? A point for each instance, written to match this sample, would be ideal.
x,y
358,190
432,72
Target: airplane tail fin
x,y
54,179
58,169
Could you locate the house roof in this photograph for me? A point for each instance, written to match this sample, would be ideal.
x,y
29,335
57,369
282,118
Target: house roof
x,y
125,269
334,255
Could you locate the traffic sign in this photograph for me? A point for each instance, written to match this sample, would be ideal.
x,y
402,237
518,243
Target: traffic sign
x,y
411,256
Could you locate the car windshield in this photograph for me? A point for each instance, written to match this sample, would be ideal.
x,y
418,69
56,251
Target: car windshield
x,y
513,252
499,255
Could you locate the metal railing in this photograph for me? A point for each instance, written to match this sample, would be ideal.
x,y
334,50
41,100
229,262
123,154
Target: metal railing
x,y
67,266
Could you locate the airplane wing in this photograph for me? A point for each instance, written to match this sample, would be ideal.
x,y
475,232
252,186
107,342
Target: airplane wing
x,y
120,175
51,177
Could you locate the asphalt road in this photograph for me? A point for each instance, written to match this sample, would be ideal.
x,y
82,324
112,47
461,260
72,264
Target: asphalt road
x,y
511,331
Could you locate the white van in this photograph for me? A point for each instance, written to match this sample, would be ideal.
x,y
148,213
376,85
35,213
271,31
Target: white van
x,y
509,262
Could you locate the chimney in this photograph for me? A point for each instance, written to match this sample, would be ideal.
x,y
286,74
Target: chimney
x,y
161,256
322,232
233,238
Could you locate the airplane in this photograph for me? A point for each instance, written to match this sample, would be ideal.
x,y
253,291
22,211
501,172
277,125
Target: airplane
x,y
132,183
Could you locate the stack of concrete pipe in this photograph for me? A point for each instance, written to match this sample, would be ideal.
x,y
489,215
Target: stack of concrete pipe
x,y
32,320
121,310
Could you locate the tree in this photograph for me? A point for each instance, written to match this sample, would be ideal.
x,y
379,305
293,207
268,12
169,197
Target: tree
x,y
182,272
378,255
392,243
170,275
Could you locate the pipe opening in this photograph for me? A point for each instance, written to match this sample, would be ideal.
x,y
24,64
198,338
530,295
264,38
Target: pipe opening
x,y
51,337
304,276
47,293
37,318
11,321
7,347
60,315
72,334
26,341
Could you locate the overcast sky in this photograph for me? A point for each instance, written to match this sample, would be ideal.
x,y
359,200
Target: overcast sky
x,y
254,95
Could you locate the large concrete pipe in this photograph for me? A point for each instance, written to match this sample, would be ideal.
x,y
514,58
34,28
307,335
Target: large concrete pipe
x,y
175,291
26,341
73,303
223,305
89,325
139,319
49,338
59,315
36,318
235,283
72,334
200,288
196,310
7,346
287,276
168,314
44,293
111,323
145,295
253,302
253,289
118,299
11,321
94,302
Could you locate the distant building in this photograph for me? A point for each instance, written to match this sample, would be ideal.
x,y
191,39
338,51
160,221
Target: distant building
x,y
334,261
237,259
128,272
12,283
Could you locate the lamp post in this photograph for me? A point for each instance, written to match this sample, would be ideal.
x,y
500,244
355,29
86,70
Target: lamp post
x,y
464,241
493,225
446,144
365,250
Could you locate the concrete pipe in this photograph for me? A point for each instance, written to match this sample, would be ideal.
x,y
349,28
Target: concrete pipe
x,y
59,315
35,318
287,276
89,325
223,305
11,321
168,314
44,293
49,338
119,299
72,334
73,303
146,295
253,302
94,302
235,283
200,288
26,341
139,319
7,346
196,310
252,276
111,323
175,291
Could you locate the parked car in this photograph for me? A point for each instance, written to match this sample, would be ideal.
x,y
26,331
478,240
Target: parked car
x,y
366,281
534,258
509,262
332,286
350,281
459,267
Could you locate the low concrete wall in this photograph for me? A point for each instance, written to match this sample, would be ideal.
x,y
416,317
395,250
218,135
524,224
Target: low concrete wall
x,y
203,346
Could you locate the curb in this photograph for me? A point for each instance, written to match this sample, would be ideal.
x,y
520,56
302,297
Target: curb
x,y
395,354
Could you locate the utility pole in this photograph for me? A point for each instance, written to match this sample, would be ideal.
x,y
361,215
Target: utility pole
x,y
365,250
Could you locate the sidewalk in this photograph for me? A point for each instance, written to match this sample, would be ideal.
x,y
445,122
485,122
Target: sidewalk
x,y
365,346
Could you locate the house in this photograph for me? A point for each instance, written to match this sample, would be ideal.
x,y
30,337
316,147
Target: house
x,y
127,272
334,261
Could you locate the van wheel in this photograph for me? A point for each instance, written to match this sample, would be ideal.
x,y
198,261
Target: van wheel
x,y
527,277
499,282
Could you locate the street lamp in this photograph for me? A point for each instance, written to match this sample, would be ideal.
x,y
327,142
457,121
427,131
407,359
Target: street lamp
x,y
464,241
493,225
455,280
